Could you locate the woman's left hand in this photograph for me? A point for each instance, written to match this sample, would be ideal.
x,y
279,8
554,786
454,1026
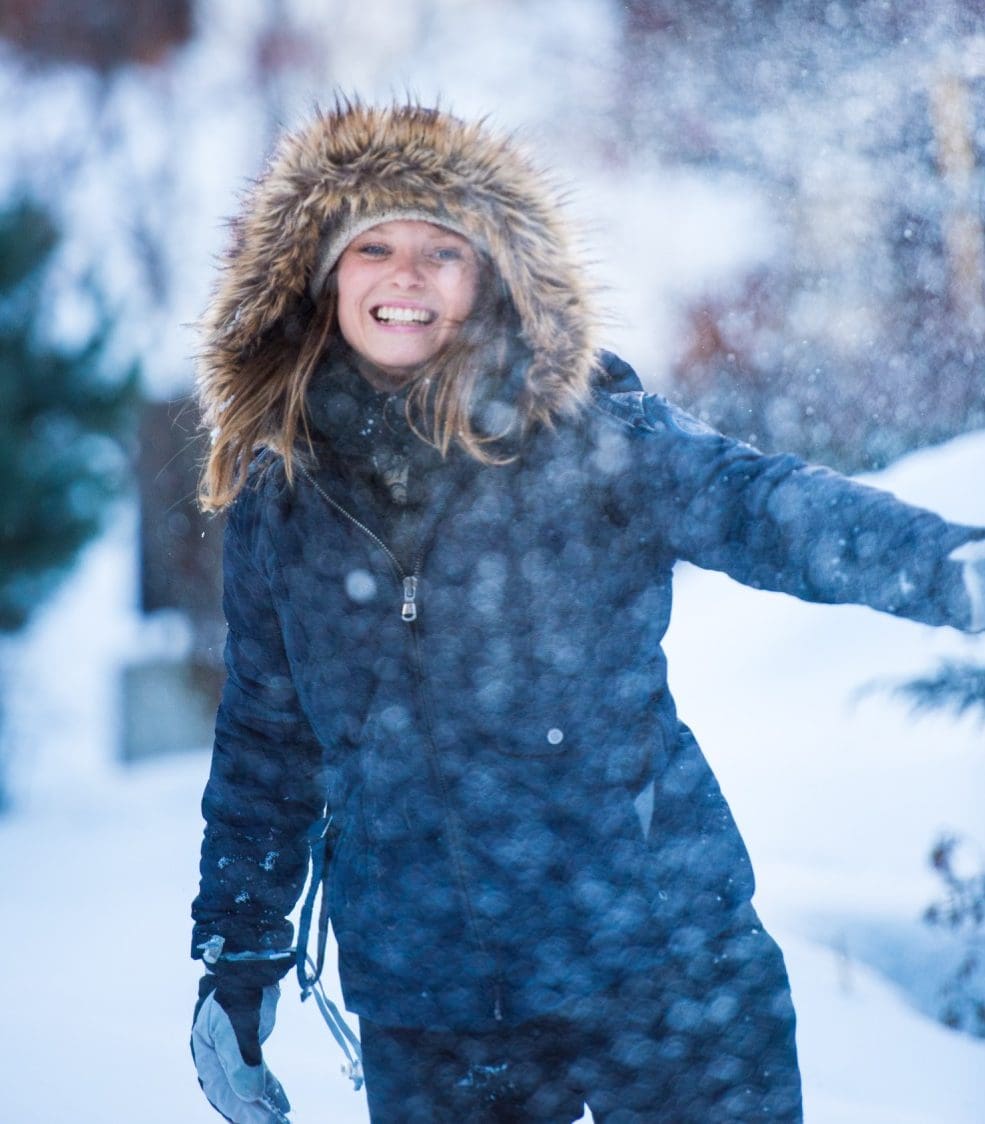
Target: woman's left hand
x,y
229,1026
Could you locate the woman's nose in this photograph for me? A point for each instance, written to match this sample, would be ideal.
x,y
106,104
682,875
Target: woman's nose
x,y
406,269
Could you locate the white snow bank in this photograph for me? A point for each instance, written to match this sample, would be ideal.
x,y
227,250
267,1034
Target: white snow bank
x,y
866,1059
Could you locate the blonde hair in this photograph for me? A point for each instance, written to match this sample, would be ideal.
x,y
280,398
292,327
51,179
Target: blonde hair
x,y
270,412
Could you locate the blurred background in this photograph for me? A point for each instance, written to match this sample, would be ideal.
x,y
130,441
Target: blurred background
x,y
784,204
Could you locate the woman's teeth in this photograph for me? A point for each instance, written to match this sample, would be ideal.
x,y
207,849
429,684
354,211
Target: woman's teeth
x,y
388,314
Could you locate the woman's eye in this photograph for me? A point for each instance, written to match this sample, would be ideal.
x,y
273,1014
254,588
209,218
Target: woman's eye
x,y
448,253
373,250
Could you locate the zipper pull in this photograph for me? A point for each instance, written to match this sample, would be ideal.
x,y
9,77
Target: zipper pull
x,y
409,610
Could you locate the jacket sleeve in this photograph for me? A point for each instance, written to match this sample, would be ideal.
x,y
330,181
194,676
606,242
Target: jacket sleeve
x,y
773,522
264,788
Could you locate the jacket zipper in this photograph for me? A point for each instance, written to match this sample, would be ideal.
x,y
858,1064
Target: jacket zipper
x,y
408,612
407,582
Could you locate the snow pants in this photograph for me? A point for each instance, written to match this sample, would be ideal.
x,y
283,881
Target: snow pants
x,y
708,1038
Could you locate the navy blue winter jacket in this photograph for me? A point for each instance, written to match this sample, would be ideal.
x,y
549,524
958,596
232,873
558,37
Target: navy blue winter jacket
x,y
520,815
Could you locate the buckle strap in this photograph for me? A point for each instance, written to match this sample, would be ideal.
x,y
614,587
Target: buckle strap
x,y
320,846
341,1032
320,837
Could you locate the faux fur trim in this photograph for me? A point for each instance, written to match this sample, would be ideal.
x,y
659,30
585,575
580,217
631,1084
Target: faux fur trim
x,y
356,159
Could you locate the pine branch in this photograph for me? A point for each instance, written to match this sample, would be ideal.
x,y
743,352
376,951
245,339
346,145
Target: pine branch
x,y
955,686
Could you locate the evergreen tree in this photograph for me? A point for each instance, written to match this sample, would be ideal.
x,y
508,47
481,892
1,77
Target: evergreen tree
x,y
958,687
962,911
62,421
63,418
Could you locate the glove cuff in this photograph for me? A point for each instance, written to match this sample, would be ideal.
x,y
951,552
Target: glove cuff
x,y
260,969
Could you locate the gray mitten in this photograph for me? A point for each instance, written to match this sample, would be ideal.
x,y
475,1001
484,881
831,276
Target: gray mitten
x,y
971,555
231,1023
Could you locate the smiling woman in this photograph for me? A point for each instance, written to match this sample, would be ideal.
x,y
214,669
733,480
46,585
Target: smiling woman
x,y
405,288
447,575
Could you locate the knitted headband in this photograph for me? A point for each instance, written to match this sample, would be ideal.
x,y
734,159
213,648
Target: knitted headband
x,y
335,241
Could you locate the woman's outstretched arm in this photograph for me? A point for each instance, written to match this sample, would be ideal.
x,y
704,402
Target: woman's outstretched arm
x,y
774,522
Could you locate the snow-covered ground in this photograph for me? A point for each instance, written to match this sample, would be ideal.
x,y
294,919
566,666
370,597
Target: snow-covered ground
x,y
839,796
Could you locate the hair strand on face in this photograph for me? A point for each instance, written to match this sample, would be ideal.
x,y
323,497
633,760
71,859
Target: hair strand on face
x,y
441,401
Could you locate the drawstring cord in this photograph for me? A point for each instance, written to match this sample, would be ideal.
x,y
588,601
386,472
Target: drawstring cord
x,y
309,971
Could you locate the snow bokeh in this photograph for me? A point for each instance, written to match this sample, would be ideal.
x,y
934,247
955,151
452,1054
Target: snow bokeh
x,y
839,790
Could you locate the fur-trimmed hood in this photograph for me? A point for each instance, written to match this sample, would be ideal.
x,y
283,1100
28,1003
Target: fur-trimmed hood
x,y
358,159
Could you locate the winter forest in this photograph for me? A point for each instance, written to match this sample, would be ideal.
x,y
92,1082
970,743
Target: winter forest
x,y
784,208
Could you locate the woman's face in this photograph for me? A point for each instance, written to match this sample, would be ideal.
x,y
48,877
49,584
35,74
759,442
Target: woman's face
x,y
404,288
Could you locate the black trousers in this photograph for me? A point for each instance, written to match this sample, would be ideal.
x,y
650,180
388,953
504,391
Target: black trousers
x,y
707,1039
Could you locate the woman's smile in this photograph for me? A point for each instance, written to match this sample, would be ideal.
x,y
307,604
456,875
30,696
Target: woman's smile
x,y
404,316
